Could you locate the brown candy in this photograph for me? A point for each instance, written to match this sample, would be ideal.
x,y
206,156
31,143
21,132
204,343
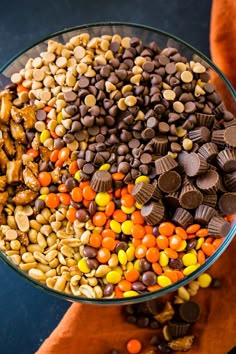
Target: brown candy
x,y
160,145
171,200
169,181
218,227
210,199
164,164
208,182
153,213
206,120
190,197
200,135
195,165
101,181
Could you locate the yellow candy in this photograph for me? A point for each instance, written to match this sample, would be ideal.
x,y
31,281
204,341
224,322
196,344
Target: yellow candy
x,y
204,280
127,210
129,266
83,266
115,226
189,259
190,269
77,175
130,253
126,227
113,277
199,243
102,199
163,281
144,179
136,265
44,136
138,205
183,246
130,293
122,257
42,197
119,270
100,208
105,167
59,117
164,259
193,252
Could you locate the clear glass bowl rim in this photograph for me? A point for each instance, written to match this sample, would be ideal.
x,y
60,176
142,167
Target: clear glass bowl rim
x,y
209,261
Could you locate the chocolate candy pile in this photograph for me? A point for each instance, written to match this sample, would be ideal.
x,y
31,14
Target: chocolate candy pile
x,y
103,139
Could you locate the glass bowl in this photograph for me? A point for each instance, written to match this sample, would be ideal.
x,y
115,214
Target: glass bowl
x,y
146,34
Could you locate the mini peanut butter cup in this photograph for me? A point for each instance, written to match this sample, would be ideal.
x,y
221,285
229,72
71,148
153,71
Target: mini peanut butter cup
x,y
164,164
171,200
190,197
219,110
218,137
142,192
182,218
208,152
206,120
160,145
230,136
227,160
200,135
210,199
204,213
227,203
218,227
195,165
189,311
101,181
208,182
230,181
153,213
169,181
229,123
178,329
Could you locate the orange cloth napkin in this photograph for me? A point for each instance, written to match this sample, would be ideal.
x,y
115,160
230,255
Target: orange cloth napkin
x,y
87,329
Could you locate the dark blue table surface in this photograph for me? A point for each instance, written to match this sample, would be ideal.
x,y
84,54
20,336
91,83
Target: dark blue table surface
x,y
28,315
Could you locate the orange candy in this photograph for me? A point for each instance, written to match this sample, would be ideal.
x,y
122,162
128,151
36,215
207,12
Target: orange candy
x,y
149,240
33,153
192,229
77,195
118,176
125,285
181,232
134,346
103,255
64,153
208,249
119,215
132,275
44,178
137,217
109,243
88,192
157,268
202,233
127,200
175,242
167,228
110,209
162,242
64,198
73,167
171,253
108,233
201,257
152,255
99,218
140,251
52,200
137,231
95,240
71,214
